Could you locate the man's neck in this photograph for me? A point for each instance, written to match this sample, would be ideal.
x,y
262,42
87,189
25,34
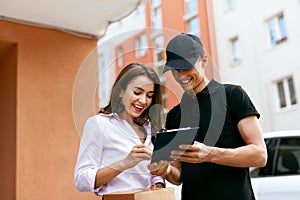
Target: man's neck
x,y
202,84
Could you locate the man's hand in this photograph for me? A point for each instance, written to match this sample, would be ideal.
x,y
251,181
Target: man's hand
x,y
195,153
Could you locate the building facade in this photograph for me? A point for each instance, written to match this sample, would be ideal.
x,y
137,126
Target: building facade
x,y
253,44
148,31
258,47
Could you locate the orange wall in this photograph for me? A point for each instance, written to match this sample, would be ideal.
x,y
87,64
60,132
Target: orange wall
x,y
8,81
129,51
43,135
172,13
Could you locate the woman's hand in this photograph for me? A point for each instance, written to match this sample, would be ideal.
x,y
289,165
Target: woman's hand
x,y
162,168
136,155
170,170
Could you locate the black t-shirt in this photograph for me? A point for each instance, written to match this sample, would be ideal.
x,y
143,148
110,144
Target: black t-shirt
x,y
216,110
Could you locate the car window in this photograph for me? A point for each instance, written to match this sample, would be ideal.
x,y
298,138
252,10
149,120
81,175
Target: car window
x,y
283,158
267,170
288,159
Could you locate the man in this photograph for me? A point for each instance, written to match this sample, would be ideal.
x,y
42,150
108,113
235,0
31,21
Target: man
x,y
229,140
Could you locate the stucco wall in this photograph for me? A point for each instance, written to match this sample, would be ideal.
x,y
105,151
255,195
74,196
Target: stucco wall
x,y
46,139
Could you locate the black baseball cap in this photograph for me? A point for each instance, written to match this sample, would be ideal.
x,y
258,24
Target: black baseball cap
x,y
183,51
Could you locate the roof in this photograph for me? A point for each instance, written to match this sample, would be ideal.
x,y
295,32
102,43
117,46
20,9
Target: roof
x,y
88,18
281,133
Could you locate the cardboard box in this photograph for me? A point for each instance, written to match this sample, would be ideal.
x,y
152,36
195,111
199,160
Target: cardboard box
x,y
143,194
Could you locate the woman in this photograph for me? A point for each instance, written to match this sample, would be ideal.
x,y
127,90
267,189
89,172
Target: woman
x,y
116,144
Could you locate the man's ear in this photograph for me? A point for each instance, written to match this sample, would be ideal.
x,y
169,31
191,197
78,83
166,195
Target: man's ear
x,y
204,59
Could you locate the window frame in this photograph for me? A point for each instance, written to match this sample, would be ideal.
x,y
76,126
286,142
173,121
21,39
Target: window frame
x,y
276,29
288,91
120,53
187,5
285,148
236,49
141,45
273,148
157,17
231,4
194,30
190,16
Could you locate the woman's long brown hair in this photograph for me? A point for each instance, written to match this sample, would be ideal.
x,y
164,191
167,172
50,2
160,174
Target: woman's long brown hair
x,y
153,112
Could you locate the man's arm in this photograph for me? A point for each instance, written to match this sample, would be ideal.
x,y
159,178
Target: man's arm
x,y
253,154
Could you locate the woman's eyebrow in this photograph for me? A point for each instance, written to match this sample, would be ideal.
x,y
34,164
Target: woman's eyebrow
x,y
139,88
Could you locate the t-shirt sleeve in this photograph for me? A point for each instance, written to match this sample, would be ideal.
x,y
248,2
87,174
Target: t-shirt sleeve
x,y
173,118
241,104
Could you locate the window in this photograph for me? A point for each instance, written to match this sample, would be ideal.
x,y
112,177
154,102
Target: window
x,y
230,4
158,52
236,52
140,10
191,6
120,57
277,29
157,18
191,17
286,94
103,82
193,26
141,46
288,159
155,3
157,14
283,157
159,64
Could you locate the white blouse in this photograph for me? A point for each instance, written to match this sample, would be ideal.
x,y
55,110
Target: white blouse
x,y
107,139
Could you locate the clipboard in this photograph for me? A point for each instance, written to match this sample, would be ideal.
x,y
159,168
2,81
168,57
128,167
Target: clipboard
x,y
169,140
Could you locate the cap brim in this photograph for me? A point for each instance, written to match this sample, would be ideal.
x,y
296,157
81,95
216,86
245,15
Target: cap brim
x,y
180,64
167,68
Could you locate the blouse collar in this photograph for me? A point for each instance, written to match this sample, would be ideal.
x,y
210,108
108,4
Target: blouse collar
x,y
116,116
